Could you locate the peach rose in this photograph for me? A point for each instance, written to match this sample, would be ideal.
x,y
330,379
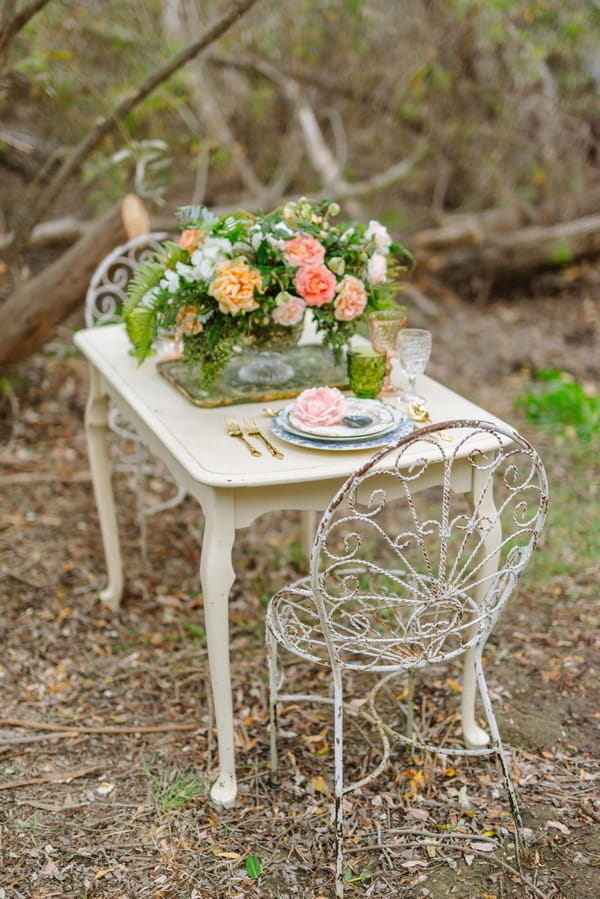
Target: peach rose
x,y
320,406
289,310
304,250
190,239
187,321
233,286
315,284
351,299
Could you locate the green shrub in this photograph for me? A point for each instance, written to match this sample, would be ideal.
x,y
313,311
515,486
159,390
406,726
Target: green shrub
x,y
558,399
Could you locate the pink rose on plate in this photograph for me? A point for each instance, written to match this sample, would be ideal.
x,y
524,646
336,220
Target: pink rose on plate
x,y
320,406
304,250
351,299
315,284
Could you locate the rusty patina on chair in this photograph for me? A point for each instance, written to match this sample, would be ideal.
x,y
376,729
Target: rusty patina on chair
x,y
401,580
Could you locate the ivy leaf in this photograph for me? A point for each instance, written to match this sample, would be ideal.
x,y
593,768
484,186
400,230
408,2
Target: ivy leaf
x,y
253,867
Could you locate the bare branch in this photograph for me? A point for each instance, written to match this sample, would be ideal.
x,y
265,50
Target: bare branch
x,y
12,22
33,212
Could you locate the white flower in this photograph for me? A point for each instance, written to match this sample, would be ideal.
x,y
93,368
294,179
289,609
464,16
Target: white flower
x,y
206,256
377,268
377,232
186,272
170,280
284,228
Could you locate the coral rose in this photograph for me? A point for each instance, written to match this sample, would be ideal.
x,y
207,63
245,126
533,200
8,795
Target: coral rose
x,y
315,284
351,299
233,286
304,250
289,310
189,239
319,406
187,321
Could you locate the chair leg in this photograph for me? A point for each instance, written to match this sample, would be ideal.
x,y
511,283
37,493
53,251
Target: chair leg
x,y
410,697
338,785
273,688
139,496
499,748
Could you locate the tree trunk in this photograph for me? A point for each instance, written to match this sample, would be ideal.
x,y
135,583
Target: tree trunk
x,y
29,314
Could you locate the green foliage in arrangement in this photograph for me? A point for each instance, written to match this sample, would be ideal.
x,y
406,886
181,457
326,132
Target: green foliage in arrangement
x,y
558,399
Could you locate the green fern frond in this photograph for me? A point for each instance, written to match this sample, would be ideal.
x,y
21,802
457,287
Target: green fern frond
x,y
149,273
139,325
144,279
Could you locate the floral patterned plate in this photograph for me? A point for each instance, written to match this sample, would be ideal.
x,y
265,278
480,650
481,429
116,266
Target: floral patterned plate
x,y
403,427
382,418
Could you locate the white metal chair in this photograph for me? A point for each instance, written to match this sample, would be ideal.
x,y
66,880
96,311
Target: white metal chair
x,y
104,298
411,565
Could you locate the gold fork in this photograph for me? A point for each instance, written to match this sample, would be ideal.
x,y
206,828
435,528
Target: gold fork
x,y
253,431
234,430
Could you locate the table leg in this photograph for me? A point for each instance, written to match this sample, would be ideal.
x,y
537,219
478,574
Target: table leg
x,y
96,422
483,500
217,576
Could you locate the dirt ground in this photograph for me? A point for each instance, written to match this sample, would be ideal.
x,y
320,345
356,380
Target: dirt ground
x,y
107,744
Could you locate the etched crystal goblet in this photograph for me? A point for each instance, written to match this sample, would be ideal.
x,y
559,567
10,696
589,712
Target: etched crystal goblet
x,y
384,327
414,350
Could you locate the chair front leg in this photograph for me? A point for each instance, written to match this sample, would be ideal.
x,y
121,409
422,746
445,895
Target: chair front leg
x,y
272,658
338,783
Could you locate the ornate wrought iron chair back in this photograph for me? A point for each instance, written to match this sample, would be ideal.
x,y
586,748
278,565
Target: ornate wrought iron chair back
x,y
104,298
411,565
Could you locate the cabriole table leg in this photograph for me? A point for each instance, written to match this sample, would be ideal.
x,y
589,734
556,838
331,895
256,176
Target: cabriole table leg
x,y
217,576
96,422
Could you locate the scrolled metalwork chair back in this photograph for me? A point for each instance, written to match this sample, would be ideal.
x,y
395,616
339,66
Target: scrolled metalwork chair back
x,y
412,562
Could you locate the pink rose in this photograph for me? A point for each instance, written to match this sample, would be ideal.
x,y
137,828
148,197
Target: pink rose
x,y
304,250
290,311
315,284
319,406
351,299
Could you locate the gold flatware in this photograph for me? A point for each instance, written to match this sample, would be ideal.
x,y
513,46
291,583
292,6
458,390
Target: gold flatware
x,y
234,430
253,431
419,413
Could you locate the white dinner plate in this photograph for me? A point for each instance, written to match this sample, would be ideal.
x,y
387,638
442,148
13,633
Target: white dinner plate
x,y
383,418
403,427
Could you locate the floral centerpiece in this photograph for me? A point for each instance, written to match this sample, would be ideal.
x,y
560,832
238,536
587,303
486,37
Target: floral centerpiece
x,y
229,278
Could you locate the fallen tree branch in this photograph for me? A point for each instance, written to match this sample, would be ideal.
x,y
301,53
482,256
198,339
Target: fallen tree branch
x,y
465,250
108,729
33,309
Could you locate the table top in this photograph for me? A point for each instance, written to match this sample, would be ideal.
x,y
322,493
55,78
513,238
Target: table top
x,y
197,439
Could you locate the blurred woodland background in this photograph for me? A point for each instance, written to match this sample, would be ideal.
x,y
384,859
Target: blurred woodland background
x,y
470,127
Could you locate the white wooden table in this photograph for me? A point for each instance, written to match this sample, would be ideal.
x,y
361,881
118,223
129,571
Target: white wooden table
x,y
232,487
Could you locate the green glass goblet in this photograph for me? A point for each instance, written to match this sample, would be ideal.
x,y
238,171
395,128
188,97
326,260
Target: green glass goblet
x,y
366,371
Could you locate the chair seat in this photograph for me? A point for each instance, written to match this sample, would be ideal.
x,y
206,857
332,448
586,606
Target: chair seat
x,y
398,631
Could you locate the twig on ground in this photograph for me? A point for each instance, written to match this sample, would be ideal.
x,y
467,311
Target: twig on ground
x,y
56,777
107,729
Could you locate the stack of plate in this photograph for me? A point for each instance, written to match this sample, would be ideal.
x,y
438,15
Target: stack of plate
x,y
383,424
